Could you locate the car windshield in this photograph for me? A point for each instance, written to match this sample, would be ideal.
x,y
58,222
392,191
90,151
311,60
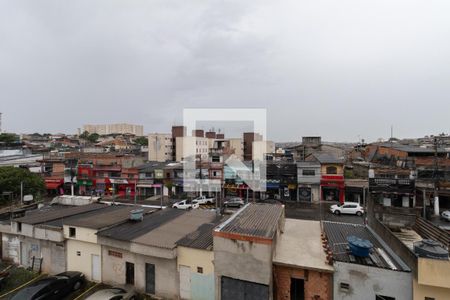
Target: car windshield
x,y
116,291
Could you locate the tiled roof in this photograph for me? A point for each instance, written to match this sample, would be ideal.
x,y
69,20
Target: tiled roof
x,y
254,220
51,213
327,158
202,238
381,255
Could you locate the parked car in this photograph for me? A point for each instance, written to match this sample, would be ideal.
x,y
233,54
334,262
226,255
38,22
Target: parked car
x,y
204,200
351,208
185,204
446,215
234,202
52,287
115,293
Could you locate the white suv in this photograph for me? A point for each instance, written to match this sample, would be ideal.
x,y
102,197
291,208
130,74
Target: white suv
x,y
351,208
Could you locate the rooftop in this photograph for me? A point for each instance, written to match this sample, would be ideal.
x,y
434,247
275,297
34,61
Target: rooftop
x,y
327,158
300,246
166,235
255,220
201,238
56,212
381,255
131,230
108,216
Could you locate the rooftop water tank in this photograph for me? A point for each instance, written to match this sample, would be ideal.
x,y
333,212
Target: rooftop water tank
x,y
430,249
137,214
359,247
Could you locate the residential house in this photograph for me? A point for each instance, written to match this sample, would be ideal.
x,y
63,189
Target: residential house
x,y
332,187
308,176
243,250
300,266
84,253
376,272
144,253
39,236
195,263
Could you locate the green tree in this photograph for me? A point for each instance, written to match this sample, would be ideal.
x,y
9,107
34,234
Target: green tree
x,y
93,137
142,140
8,138
11,177
84,135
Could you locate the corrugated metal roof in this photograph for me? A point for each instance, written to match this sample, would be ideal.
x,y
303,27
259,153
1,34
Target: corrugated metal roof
x,y
202,238
51,213
166,235
106,217
337,234
131,230
254,220
327,158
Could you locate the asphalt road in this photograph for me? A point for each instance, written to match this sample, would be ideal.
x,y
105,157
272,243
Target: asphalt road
x,y
308,211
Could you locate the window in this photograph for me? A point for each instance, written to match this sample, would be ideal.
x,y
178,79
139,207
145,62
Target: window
x,y
331,170
200,270
114,253
309,173
380,297
72,232
345,287
19,226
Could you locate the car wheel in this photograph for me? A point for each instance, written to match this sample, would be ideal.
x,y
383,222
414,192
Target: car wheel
x,y
77,286
359,214
337,212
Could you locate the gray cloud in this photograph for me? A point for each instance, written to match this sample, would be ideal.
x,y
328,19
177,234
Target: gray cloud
x,y
339,69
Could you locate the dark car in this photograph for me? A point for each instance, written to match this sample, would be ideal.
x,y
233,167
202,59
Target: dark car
x,y
234,202
52,287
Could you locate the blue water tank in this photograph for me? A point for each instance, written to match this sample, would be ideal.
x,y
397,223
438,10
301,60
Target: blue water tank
x,y
359,247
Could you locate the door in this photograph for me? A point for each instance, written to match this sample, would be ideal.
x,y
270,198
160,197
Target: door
x,y
150,279
304,194
96,273
235,289
129,273
297,289
185,282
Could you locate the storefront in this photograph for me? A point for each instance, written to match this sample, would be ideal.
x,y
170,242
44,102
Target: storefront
x,y
332,188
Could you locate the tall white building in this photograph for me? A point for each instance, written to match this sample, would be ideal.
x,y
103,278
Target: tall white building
x,y
189,146
160,147
121,128
261,148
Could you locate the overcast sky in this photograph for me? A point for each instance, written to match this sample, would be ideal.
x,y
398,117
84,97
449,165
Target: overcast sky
x,y
340,69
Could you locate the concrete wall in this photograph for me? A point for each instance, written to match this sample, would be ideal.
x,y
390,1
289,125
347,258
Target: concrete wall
x,y
242,260
194,258
202,285
83,261
421,291
434,272
81,234
367,282
11,248
166,274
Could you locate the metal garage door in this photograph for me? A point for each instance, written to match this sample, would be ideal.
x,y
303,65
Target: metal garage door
x,y
234,289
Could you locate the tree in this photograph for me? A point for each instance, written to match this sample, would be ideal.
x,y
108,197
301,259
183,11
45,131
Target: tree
x,y
11,177
8,138
93,137
84,135
142,141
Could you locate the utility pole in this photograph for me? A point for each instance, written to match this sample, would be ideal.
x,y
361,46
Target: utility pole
x,y
135,189
21,192
436,178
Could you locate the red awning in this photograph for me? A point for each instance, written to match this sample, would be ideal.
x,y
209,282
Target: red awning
x,y
53,184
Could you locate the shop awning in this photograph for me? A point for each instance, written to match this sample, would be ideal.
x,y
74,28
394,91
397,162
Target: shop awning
x,y
53,184
118,181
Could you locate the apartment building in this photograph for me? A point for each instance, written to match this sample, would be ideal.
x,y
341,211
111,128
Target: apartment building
x,y
160,147
119,128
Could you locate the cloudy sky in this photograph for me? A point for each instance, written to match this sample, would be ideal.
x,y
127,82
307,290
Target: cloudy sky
x,y
340,69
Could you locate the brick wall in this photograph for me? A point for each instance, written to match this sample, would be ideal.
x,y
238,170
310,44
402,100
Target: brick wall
x,y
318,285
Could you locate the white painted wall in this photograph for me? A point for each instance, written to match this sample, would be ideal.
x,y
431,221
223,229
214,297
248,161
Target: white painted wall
x,y
367,282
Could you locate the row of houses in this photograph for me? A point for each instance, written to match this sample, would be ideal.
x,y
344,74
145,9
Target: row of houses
x,y
255,253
